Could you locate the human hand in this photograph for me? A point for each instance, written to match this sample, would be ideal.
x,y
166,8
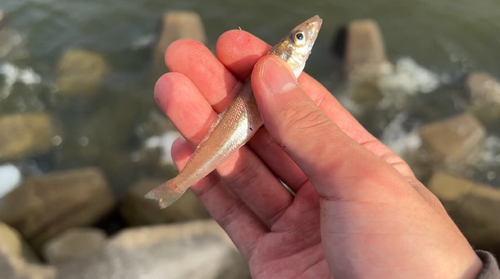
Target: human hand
x,y
358,212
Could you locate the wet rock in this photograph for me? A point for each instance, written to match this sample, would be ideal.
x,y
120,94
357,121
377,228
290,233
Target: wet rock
x,y
473,206
452,139
1,19
81,72
74,244
13,244
177,25
484,92
14,267
365,53
25,134
195,250
43,207
137,210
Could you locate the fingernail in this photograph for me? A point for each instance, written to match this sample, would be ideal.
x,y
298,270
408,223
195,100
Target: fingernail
x,y
276,76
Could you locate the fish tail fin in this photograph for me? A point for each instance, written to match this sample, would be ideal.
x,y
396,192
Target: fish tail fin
x,y
166,194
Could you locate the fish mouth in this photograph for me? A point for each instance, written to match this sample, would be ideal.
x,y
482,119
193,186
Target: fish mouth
x,y
314,25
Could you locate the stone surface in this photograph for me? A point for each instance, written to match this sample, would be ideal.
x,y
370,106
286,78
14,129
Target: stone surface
x,y
177,25
195,250
365,52
453,138
484,92
14,267
25,134
74,244
13,244
483,88
81,72
42,207
473,206
137,210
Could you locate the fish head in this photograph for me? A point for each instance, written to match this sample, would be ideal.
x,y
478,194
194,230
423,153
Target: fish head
x,y
296,47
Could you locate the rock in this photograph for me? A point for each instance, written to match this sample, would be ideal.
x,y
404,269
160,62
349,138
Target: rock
x,y
138,211
452,139
12,43
484,92
81,72
74,244
14,267
25,134
43,207
364,53
483,88
195,250
473,206
13,244
176,25
2,21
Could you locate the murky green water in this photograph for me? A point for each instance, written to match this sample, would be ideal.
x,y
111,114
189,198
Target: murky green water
x,y
448,37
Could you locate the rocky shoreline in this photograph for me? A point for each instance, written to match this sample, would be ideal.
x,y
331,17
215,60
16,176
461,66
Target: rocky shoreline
x,y
51,222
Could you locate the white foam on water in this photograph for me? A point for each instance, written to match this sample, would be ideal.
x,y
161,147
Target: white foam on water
x,y
410,78
406,79
398,139
13,74
143,41
164,143
10,177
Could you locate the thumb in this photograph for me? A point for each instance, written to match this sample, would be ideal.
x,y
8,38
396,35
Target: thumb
x,y
327,156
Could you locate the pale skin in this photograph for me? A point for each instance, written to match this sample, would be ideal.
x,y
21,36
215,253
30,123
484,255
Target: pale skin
x,y
359,211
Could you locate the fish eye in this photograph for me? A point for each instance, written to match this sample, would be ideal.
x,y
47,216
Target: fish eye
x,y
299,38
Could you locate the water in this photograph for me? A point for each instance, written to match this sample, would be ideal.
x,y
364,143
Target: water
x,y
446,38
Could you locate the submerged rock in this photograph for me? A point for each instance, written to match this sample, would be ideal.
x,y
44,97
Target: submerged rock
x,y
452,139
484,92
473,206
74,244
12,243
137,210
24,135
81,72
195,250
43,207
177,25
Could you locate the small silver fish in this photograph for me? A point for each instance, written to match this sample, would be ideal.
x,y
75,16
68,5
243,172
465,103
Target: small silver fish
x,y
236,125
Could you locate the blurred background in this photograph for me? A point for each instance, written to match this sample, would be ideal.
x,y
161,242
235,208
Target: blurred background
x,y
82,140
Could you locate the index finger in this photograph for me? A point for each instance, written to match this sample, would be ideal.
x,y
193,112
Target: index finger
x,y
239,51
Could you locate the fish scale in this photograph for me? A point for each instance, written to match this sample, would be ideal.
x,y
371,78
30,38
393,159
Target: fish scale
x,y
236,125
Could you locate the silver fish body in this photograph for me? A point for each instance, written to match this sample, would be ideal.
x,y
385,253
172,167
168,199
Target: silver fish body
x,y
236,125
